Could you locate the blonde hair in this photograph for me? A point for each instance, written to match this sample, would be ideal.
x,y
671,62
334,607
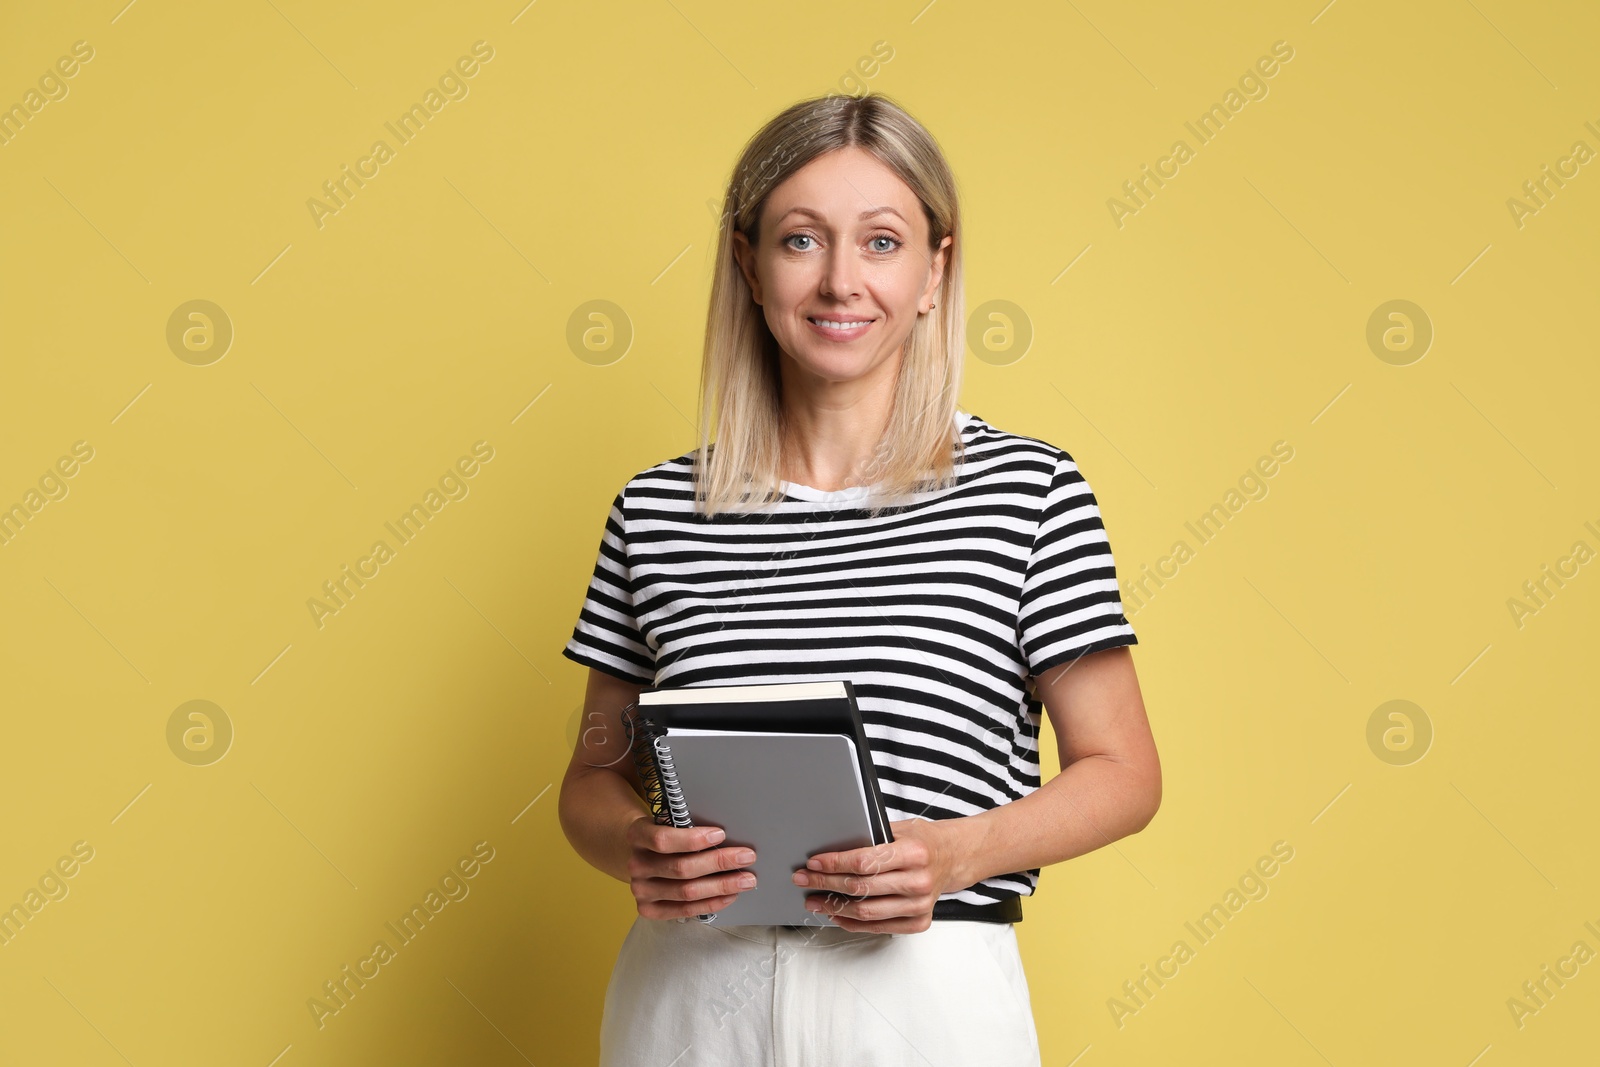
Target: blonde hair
x,y
739,376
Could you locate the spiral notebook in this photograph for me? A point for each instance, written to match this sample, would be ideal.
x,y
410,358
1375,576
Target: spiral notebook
x,y
784,768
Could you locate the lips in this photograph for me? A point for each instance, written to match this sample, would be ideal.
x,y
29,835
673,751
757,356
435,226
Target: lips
x,y
840,330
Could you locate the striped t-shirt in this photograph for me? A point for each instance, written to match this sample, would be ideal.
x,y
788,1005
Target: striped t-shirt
x,y
938,613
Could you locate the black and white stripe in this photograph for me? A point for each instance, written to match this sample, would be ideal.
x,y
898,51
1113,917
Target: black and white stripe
x,y
937,613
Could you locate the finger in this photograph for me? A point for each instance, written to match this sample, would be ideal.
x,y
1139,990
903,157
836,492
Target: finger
x,y
911,924
870,909
674,889
872,859
893,883
684,865
669,909
658,838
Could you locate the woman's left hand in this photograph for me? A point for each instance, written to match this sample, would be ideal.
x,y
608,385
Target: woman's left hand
x,y
886,889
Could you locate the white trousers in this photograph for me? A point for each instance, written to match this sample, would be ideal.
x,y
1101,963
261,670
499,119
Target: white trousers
x,y
700,995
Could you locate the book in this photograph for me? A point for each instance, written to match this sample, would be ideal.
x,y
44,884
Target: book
x,y
783,768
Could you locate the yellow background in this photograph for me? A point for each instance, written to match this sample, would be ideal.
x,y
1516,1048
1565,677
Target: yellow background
x,y
434,710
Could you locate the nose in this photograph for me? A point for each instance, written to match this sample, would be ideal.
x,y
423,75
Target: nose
x,y
841,277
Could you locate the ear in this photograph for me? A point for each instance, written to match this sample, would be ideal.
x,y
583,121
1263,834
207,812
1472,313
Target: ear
x,y
941,256
746,258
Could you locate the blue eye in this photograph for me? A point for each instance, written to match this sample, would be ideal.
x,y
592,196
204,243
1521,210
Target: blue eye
x,y
895,241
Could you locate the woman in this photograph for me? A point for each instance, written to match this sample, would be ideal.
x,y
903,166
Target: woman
x,y
851,521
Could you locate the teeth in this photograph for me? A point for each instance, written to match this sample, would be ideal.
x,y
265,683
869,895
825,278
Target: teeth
x,y
841,325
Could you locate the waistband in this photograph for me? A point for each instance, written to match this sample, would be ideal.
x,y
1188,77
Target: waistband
x,y
1008,910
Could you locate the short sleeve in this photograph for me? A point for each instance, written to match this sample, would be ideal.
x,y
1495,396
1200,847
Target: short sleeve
x,y
607,635
1070,602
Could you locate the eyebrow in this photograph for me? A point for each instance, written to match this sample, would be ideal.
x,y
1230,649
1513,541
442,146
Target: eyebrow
x,y
867,214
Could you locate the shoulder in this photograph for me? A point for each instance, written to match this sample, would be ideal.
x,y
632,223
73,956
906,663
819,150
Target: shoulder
x,y
1005,455
670,479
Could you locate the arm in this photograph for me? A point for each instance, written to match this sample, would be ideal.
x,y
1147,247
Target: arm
x,y
601,792
1109,785
672,871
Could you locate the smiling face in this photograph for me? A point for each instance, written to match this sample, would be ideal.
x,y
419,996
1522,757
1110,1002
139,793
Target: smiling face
x,y
842,271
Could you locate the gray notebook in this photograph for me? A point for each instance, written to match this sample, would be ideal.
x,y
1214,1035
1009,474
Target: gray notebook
x,y
789,796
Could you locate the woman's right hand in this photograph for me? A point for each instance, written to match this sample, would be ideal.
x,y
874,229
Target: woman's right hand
x,y
674,870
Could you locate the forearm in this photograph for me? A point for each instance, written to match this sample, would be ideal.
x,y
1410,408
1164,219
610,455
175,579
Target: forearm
x,y
1093,802
595,808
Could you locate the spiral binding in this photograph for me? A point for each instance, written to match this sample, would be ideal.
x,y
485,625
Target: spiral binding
x,y
677,810
642,732
648,742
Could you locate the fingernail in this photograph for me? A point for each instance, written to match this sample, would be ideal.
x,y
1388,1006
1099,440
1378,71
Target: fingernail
x,y
743,857
801,879
716,835
747,881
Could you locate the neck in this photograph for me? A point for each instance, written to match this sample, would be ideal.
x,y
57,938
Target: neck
x,y
830,444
